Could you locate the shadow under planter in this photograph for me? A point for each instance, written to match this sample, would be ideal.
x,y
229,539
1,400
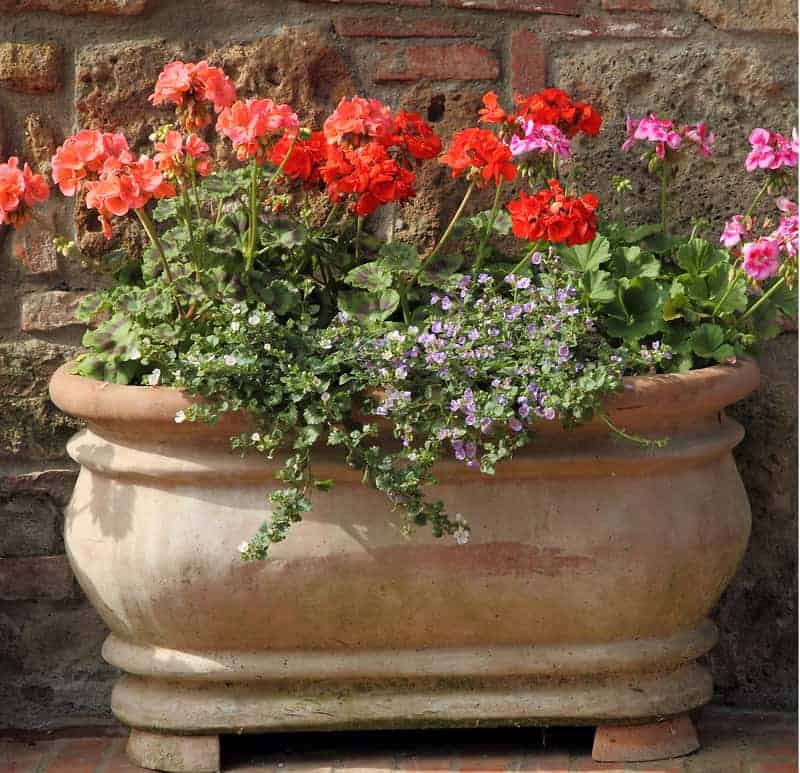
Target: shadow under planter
x,y
581,598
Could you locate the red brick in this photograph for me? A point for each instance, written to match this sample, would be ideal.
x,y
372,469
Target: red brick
x,y
30,66
464,62
546,762
417,3
80,756
528,62
417,27
565,7
42,577
77,7
649,27
49,310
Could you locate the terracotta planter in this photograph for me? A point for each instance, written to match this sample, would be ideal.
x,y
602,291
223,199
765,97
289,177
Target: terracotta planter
x,y
581,598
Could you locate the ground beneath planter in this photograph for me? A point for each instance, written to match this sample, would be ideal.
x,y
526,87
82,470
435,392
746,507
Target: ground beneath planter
x,y
733,742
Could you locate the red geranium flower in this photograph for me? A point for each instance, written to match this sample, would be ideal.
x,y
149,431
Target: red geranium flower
x,y
479,150
356,120
368,175
305,160
492,112
552,216
553,106
417,136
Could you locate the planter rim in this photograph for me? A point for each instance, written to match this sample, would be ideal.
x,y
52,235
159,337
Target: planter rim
x,y
698,392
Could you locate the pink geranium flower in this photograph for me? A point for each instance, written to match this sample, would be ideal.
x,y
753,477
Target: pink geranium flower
x,y
787,231
175,155
761,258
542,138
700,135
358,118
20,189
733,232
82,156
250,125
664,135
771,150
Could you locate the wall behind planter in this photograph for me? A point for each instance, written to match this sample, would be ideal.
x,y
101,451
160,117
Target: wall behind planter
x,y
93,63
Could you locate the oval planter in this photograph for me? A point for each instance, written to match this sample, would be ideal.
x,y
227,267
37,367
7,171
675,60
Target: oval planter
x,y
581,598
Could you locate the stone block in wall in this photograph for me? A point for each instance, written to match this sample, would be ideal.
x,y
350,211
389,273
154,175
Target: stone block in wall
x,y
77,7
40,143
39,577
30,525
435,62
776,16
33,245
30,66
49,310
413,3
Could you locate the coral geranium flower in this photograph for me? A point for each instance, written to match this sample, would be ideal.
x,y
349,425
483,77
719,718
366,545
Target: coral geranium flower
x,y
252,124
82,156
357,119
176,155
20,190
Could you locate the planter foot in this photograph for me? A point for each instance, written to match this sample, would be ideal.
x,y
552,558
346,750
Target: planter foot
x,y
674,737
174,753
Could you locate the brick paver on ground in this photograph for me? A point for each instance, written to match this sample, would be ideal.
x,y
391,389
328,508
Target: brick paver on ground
x,y
732,743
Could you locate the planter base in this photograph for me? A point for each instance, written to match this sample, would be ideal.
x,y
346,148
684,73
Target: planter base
x,y
174,753
674,737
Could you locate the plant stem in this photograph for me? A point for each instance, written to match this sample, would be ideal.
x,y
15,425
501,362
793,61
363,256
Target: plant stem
x,y
755,201
451,225
279,170
763,298
525,260
664,185
404,304
642,441
489,226
359,225
728,291
187,205
329,218
150,228
251,233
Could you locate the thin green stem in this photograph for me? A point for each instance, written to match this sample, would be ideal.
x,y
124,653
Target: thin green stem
x,y
359,226
763,298
758,198
404,304
251,233
728,291
489,226
329,218
150,228
639,439
664,190
279,170
524,261
187,206
452,224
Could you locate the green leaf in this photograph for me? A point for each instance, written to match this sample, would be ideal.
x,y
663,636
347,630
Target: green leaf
x,y
698,256
635,235
369,276
598,287
440,269
637,310
398,256
502,223
363,305
632,262
279,296
586,257
708,342
727,289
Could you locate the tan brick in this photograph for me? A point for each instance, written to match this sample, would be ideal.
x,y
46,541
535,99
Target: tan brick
x,y
30,66
41,577
49,310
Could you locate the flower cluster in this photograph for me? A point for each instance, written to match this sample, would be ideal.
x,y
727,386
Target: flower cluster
x,y
253,125
302,159
81,158
177,155
665,136
552,216
771,150
480,155
20,189
540,138
190,87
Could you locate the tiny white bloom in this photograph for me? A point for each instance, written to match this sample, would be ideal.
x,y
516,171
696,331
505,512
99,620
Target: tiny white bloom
x,y
325,396
243,547
135,354
229,360
235,325
267,347
255,437
254,318
180,417
236,309
461,535
154,377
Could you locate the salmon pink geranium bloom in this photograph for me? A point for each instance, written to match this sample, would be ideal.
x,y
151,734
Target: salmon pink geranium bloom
x,y
251,126
82,156
175,154
357,120
20,189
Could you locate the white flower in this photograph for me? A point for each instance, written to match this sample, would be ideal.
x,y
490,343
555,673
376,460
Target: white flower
x,y
229,360
243,547
134,354
267,347
180,417
254,319
255,437
154,377
325,396
236,309
235,325
461,534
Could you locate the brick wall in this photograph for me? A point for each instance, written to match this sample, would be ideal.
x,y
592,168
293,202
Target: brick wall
x,y
93,62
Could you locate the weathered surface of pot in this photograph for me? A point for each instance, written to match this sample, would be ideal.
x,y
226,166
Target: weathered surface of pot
x,y
581,597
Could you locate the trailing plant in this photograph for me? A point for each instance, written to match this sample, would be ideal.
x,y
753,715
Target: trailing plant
x,y
265,290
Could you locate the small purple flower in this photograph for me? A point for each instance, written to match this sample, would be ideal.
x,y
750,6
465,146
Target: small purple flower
x,y
510,279
484,279
473,335
446,303
536,258
515,425
486,426
549,414
434,299
563,352
524,410
523,283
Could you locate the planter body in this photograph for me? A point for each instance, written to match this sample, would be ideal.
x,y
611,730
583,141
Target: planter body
x,y
581,597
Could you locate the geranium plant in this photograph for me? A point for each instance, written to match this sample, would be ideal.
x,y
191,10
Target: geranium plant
x,y
265,290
